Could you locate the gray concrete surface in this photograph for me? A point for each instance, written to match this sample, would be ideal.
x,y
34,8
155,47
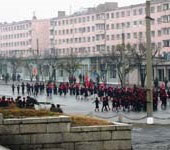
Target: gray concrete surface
x,y
156,137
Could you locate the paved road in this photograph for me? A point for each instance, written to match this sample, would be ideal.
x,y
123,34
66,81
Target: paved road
x,y
151,137
144,137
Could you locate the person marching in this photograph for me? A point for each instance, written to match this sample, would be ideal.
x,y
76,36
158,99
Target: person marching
x,y
18,89
13,88
97,102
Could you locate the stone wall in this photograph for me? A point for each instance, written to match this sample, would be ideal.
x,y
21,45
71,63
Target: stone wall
x,y
56,133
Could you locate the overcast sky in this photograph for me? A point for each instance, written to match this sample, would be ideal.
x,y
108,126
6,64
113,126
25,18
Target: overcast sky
x,y
16,10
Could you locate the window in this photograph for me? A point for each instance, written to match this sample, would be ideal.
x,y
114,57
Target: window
x,y
100,47
140,22
140,35
152,9
84,19
88,18
107,15
113,26
166,43
128,36
135,35
100,26
79,20
113,37
71,21
63,22
166,31
123,25
118,36
128,24
153,33
117,14
107,27
88,29
112,71
92,18
108,37
159,20
161,74
135,23
128,13
113,47
93,28
108,48
159,8
140,11
134,12
166,18
117,26
112,15
75,20
122,14
89,39
159,32
165,6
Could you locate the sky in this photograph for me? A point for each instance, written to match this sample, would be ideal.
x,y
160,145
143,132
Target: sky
x,y
17,10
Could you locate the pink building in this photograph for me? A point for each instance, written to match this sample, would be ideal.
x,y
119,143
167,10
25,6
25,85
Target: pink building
x,y
90,31
100,29
24,37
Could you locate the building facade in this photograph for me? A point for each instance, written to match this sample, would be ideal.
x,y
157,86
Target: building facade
x,y
98,29
89,34
25,37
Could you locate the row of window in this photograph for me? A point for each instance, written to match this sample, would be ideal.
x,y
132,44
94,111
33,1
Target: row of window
x,y
14,44
100,26
96,48
16,27
14,36
118,14
99,37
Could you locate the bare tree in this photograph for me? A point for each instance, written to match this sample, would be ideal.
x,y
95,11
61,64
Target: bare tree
x,y
122,57
70,64
28,64
140,60
15,62
52,64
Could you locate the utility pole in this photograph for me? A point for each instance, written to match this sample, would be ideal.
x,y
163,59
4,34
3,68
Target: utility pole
x,y
149,65
123,59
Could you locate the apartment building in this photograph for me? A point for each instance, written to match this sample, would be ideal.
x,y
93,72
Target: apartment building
x,y
100,29
24,37
90,33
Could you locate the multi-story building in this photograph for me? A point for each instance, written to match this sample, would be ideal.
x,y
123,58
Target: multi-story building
x,y
91,32
24,37
100,29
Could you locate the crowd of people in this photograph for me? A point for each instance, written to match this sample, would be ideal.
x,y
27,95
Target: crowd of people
x,y
21,102
111,98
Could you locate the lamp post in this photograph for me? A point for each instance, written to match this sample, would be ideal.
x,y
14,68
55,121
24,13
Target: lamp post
x,y
149,65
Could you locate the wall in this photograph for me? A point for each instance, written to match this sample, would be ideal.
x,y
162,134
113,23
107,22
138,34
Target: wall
x,y
55,133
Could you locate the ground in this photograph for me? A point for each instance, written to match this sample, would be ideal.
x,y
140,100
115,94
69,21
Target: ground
x,y
144,137
151,137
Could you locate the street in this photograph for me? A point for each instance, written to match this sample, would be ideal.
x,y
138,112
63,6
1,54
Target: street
x,y
144,137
